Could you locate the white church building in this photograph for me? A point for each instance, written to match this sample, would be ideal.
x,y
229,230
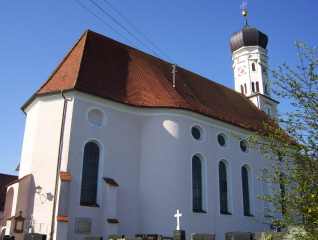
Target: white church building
x,y
116,142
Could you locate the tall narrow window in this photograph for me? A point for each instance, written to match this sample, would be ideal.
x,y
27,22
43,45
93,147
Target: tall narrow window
x,y
245,88
223,188
282,191
197,184
257,87
246,192
242,89
253,67
266,191
90,175
253,87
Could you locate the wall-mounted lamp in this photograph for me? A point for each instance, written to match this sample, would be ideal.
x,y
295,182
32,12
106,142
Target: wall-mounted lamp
x,y
38,190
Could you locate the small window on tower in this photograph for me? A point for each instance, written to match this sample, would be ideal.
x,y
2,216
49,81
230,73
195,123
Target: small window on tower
x,y
242,89
265,88
245,88
257,87
253,67
253,87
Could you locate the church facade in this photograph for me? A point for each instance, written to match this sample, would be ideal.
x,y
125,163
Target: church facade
x,y
113,146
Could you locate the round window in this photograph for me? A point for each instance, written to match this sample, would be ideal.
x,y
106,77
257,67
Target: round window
x,y
222,140
244,146
96,117
197,133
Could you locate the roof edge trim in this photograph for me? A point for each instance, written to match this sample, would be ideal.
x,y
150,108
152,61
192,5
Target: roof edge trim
x,y
205,113
36,95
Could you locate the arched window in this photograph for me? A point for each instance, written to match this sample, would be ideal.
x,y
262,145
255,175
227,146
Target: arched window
x,y
245,88
257,87
90,175
282,191
8,203
253,87
246,192
197,183
253,67
223,188
242,89
266,191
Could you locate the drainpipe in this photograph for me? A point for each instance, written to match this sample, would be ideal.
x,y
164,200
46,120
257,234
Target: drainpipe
x,y
58,166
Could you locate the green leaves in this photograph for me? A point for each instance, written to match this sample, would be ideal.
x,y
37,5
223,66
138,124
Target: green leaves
x,y
294,171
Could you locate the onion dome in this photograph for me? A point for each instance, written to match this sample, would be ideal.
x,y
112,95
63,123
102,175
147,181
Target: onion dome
x,y
248,37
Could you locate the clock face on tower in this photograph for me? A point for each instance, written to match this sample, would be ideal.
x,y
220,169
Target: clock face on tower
x,y
241,70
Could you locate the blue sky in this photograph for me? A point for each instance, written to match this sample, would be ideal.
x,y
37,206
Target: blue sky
x,y
35,36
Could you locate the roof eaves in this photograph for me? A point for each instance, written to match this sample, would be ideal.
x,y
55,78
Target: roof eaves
x,y
36,95
185,106
256,94
18,180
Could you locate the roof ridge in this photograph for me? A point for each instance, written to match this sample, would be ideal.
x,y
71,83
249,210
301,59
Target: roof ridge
x,y
82,55
63,60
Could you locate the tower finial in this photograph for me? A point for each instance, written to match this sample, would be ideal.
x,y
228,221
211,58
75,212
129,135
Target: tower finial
x,y
244,13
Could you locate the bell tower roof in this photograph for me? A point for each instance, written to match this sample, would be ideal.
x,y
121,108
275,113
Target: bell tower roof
x,y
247,37
249,55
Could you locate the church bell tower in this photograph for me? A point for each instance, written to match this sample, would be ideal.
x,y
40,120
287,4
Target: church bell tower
x,y
249,55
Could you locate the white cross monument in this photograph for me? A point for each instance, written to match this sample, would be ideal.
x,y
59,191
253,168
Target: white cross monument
x,y
178,215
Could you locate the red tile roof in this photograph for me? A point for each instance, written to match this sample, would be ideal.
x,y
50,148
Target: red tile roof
x,y
4,181
18,180
109,220
111,182
103,67
65,176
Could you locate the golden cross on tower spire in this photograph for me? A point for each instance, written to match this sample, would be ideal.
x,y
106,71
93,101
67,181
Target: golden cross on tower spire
x,y
244,13
243,6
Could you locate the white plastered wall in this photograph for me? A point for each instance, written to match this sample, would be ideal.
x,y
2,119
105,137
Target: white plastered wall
x,y
148,152
40,157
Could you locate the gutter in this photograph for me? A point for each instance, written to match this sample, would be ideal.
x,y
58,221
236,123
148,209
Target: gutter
x,y
58,167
